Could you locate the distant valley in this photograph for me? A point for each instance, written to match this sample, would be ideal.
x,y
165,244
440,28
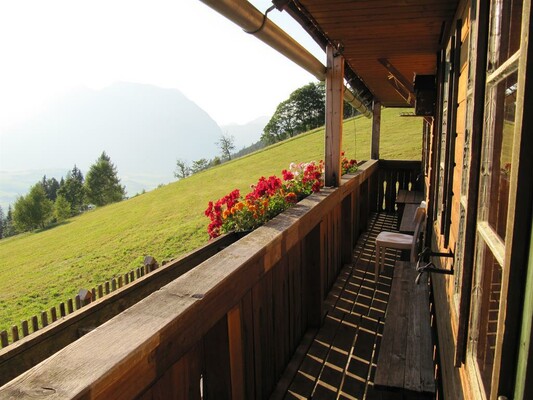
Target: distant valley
x,y
143,128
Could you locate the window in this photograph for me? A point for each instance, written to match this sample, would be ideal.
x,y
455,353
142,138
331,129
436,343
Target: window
x,y
495,173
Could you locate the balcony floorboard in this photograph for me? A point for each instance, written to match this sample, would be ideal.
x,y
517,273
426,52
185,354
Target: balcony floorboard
x,y
338,361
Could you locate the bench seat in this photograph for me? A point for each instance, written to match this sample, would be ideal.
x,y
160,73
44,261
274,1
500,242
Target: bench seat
x,y
405,361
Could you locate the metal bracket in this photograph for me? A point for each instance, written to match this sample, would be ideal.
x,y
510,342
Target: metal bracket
x,y
430,267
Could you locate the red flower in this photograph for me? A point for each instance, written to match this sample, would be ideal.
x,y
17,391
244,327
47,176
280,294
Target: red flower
x,y
287,175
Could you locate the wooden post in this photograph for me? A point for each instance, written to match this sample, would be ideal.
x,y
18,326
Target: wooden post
x,y
376,129
4,339
35,323
53,314
44,318
334,111
15,333
62,310
25,328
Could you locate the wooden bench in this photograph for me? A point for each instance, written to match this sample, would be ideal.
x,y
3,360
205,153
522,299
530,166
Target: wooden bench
x,y
407,224
405,360
406,197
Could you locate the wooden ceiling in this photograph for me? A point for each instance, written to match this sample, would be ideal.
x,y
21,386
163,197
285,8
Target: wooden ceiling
x,y
404,32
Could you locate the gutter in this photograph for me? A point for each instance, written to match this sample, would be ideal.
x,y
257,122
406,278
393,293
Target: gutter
x,y
251,20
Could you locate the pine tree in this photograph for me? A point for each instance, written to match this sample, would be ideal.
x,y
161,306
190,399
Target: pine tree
x,y
2,222
72,190
50,187
102,185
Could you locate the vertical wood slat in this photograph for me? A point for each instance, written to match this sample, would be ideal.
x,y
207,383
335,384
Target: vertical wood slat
x,y
248,345
314,275
70,306
53,314
217,374
35,323
4,339
280,307
25,328
62,310
44,319
181,381
15,333
236,357
77,301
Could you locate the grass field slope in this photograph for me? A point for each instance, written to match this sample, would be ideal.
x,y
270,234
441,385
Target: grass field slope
x,y
39,270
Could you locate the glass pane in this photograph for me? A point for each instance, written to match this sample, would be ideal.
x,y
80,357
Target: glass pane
x,y
504,98
506,19
491,279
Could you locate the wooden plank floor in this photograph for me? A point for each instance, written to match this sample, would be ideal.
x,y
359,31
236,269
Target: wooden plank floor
x,y
338,361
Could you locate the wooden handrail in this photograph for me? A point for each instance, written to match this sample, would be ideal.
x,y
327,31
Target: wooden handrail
x,y
231,323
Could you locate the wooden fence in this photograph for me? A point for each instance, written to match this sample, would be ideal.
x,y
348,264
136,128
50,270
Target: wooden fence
x,y
228,327
41,337
38,322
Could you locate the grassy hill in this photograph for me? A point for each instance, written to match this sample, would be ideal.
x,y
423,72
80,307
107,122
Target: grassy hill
x,y
39,270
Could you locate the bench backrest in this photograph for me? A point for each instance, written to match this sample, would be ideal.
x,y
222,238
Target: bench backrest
x,y
420,217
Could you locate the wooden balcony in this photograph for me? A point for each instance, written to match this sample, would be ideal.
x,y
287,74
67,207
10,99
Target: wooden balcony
x,y
239,324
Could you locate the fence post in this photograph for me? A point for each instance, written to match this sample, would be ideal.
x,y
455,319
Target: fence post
x,y
25,328
15,333
113,285
44,318
62,311
3,338
35,323
70,306
53,314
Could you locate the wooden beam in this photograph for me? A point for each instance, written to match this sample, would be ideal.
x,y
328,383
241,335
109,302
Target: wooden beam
x,y
397,75
376,129
334,108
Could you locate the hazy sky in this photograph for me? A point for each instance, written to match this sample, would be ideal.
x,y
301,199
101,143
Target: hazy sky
x,y
49,47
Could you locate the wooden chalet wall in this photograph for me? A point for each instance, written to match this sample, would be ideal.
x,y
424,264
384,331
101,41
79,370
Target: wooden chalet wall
x,y
479,307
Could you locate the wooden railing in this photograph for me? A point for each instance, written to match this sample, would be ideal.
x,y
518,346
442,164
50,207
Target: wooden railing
x,y
227,328
393,176
113,297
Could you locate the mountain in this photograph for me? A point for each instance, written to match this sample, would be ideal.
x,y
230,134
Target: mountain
x,y
143,128
246,134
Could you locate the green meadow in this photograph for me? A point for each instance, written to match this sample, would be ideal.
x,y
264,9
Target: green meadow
x,y
38,270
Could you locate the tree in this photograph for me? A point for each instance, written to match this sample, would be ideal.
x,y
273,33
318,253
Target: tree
x,y
9,229
73,190
102,185
302,111
2,222
182,169
33,210
199,165
226,144
62,208
50,187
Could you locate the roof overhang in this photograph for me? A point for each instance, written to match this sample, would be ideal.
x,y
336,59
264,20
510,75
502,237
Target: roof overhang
x,y
385,42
